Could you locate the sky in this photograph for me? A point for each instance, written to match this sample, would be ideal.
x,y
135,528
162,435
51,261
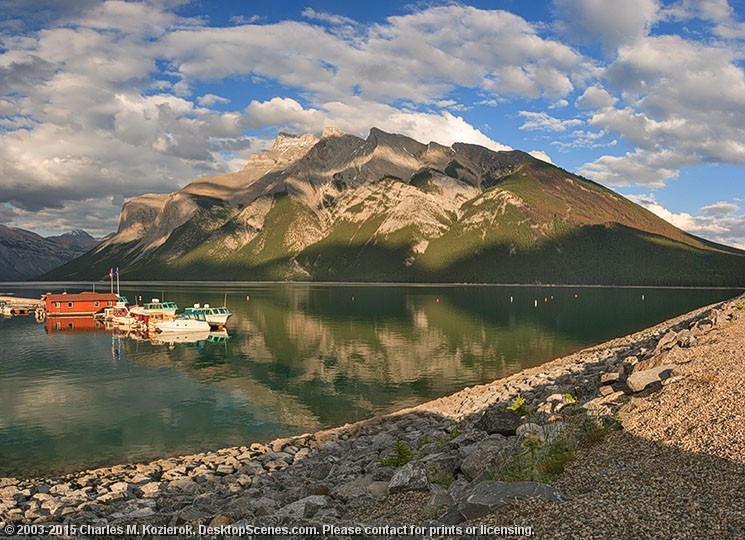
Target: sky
x,y
102,101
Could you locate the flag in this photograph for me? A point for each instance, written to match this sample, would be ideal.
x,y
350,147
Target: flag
x,y
116,272
111,273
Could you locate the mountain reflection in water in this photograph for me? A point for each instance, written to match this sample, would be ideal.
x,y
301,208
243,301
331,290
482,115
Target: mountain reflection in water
x,y
294,358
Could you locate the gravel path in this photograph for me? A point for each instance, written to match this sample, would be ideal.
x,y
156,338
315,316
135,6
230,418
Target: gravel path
x,y
676,471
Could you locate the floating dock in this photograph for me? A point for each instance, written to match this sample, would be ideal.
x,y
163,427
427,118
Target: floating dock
x,y
16,305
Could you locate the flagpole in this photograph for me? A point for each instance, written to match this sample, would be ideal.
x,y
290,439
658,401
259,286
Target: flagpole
x,y
117,281
111,280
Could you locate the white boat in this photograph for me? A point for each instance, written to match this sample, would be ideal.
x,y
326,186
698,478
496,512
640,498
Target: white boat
x,y
186,322
156,308
119,314
153,312
216,316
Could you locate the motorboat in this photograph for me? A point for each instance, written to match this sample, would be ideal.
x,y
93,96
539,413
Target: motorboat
x,y
184,323
120,314
216,316
153,312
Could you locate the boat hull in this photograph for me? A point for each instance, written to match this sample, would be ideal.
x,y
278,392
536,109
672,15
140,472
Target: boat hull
x,y
182,326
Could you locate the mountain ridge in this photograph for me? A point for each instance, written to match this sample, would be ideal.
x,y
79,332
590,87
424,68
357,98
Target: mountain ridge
x,y
390,208
25,254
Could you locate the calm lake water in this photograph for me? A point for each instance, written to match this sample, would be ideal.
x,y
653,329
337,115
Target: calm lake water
x,y
299,357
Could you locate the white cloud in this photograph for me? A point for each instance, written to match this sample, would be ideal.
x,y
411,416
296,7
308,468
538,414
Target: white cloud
x,y
652,169
540,121
7,214
718,12
417,57
719,222
243,19
312,14
540,154
611,23
683,104
720,209
210,100
595,97
357,116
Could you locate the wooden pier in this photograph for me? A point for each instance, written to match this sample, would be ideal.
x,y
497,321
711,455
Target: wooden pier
x,y
16,305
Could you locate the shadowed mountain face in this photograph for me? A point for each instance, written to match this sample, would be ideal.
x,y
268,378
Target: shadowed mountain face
x,y
389,208
25,255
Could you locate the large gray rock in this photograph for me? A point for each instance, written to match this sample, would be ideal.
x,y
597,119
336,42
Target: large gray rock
x,y
304,508
487,496
440,466
377,489
498,419
352,489
485,457
410,477
639,380
667,342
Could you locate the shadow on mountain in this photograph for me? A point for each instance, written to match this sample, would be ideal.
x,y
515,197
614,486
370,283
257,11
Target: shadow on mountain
x,y
595,255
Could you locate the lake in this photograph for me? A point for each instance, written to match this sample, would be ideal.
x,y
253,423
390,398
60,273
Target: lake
x,y
298,357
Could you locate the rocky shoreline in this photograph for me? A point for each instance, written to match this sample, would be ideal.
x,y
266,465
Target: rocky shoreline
x,y
429,471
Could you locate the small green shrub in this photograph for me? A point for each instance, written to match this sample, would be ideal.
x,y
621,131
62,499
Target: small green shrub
x,y
537,461
453,433
593,430
570,398
400,455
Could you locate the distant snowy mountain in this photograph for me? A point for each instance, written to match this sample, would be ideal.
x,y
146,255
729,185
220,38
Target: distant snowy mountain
x,y
26,255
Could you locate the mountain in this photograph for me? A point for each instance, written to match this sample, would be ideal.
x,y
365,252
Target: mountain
x,y
25,255
389,208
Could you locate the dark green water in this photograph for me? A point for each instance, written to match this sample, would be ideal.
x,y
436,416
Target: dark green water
x,y
300,357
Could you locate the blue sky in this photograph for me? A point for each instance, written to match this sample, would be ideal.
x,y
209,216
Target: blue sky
x,y
104,101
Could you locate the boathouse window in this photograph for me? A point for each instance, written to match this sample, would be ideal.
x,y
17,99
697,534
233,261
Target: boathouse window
x,y
69,304
96,303
58,325
108,303
70,325
56,304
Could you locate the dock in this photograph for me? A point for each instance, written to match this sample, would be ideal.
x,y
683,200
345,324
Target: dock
x,y
16,305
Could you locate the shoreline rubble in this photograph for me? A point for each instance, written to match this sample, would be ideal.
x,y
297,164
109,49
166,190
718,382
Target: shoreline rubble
x,y
335,477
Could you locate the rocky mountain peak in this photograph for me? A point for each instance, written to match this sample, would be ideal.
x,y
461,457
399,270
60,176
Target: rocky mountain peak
x,y
330,131
286,141
79,233
391,208
378,138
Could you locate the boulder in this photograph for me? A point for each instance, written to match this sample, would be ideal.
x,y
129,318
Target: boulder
x,y
487,496
378,489
498,419
667,342
352,489
485,457
410,477
609,378
304,508
639,380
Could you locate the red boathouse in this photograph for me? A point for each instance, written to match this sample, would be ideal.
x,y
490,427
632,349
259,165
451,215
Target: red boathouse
x,y
84,303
